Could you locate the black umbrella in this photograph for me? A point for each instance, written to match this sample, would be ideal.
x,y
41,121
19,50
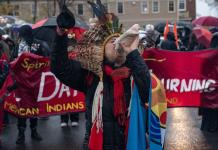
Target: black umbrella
x,y
185,25
160,27
182,24
51,22
213,29
46,34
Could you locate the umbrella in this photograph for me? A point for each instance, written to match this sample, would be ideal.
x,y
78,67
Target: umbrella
x,y
213,29
160,27
10,20
206,21
51,22
47,22
46,34
203,36
185,25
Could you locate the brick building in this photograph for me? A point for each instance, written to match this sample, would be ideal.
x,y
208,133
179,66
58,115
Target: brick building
x,y
129,11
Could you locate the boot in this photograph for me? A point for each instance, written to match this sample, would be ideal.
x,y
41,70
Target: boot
x,y
21,137
35,135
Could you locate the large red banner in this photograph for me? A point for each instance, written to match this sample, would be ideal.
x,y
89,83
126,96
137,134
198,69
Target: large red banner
x,y
39,92
190,78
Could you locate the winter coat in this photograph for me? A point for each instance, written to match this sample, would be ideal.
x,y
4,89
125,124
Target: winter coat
x,y
37,47
169,43
214,41
72,74
4,70
4,49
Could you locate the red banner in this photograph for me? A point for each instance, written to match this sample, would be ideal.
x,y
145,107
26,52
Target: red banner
x,y
190,78
39,92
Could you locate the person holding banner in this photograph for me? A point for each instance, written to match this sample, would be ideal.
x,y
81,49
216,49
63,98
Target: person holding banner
x,y
28,44
4,70
74,34
210,104
105,121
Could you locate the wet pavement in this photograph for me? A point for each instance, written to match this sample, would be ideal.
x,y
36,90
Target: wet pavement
x,y
183,133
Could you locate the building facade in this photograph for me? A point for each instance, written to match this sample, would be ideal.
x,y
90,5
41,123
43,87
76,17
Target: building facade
x,y
29,10
187,10
129,11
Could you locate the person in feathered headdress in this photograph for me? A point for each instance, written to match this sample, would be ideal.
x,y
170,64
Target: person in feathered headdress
x,y
103,73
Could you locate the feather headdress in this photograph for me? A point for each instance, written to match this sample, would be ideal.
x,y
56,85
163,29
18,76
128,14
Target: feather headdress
x,y
90,49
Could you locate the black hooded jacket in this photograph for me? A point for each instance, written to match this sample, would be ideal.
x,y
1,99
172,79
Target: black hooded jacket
x,y
4,70
72,74
169,43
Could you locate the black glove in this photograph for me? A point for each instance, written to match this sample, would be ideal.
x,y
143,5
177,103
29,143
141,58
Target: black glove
x,y
66,18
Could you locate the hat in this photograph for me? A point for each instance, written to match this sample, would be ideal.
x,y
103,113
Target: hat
x,y
25,31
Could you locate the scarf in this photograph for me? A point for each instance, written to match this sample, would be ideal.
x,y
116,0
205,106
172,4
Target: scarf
x,y
118,75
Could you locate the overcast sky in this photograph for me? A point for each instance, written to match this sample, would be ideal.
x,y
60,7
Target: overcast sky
x,y
207,9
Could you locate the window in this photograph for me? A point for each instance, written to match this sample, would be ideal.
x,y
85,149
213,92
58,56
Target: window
x,y
144,7
171,6
16,10
155,6
182,5
120,8
80,9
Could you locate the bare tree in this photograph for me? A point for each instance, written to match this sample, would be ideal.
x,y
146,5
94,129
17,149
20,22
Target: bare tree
x,y
48,8
66,2
35,11
55,4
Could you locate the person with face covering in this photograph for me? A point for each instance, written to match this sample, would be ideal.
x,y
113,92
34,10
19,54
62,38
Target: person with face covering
x,y
210,115
71,73
117,68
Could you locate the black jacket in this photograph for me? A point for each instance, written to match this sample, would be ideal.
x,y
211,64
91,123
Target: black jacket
x,y
169,43
72,74
4,70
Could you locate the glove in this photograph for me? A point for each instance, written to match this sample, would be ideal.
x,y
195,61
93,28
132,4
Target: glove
x,y
65,19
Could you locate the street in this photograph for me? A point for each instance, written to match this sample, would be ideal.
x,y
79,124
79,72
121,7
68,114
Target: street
x,y
183,133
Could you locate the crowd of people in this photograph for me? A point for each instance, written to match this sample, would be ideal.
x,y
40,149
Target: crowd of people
x,y
127,61
9,51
